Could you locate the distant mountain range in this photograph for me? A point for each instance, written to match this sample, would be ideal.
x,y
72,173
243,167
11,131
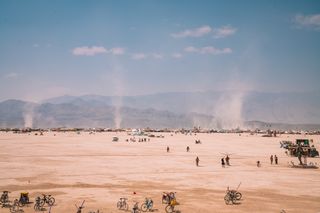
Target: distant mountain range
x,y
228,109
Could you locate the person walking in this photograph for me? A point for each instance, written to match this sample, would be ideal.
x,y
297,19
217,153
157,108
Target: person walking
x,y
188,149
227,160
276,159
258,163
271,159
222,162
168,149
197,161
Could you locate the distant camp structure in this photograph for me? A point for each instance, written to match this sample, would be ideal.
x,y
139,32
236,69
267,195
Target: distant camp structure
x,y
303,146
115,139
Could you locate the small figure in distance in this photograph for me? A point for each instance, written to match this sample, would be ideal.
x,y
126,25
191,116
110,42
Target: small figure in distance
x,y
222,162
188,148
271,159
227,160
197,161
168,149
258,163
276,159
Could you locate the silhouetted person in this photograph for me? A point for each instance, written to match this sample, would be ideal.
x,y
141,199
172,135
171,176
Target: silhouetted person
x,y
275,159
222,162
197,161
227,160
168,149
188,149
271,159
258,163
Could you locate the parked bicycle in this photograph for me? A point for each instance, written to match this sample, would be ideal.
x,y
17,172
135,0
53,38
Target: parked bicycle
x,y
15,207
47,199
232,196
122,204
147,205
4,199
37,204
167,197
79,209
171,206
135,208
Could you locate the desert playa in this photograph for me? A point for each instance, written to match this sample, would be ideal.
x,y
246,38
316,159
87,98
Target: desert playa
x,y
75,167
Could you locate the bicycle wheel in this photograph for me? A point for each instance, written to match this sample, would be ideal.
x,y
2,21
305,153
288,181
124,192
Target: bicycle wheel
x,y
119,205
144,207
125,206
227,199
36,207
234,199
51,201
238,195
14,208
20,204
42,202
169,208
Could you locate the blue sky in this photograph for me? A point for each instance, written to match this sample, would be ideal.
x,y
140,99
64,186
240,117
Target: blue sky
x,y
52,48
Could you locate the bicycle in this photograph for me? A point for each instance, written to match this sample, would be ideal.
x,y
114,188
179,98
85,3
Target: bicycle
x,y
79,209
135,208
147,205
47,199
4,197
122,204
15,207
166,197
38,204
232,196
170,207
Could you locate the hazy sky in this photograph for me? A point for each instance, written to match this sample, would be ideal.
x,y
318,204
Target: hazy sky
x,y
52,48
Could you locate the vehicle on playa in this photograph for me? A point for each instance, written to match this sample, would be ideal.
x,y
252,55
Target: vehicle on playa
x,y
306,146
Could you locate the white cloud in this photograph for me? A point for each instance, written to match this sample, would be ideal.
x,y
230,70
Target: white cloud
x,y
197,32
224,32
208,50
11,75
139,56
157,56
117,51
191,49
308,21
89,51
176,55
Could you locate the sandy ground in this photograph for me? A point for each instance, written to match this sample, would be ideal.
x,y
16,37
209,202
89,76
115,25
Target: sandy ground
x,y
75,167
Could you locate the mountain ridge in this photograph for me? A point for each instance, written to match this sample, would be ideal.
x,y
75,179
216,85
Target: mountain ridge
x,y
220,110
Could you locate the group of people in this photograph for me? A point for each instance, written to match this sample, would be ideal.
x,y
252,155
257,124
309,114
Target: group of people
x,y
272,158
225,161
275,158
